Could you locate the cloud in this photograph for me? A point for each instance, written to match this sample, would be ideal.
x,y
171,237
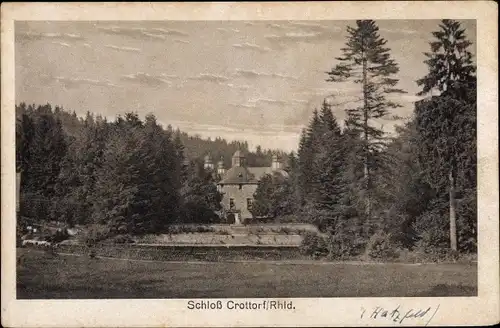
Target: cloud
x,y
409,98
268,101
297,37
276,102
299,101
170,32
140,32
155,36
267,129
398,31
33,36
127,31
129,49
308,26
301,32
228,29
181,41
209,78
170,77
64,44
277,26
404,99
247,105
239,87
86,45
72,83
277,136
251,46
339,90
146,79
254,74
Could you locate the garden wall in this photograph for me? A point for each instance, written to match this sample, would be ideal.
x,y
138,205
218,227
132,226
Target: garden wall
x,y
214,238
187,252
269,228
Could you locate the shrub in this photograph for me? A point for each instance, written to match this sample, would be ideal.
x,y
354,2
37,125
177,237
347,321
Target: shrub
x,y
345,245
285,230
379,246
289,218
122,239
432,254
257,230
177,229
432,228
420,255
95,234
172,230
467,222
58,236
314,245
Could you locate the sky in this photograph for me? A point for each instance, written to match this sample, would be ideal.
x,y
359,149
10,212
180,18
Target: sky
x,y
257,81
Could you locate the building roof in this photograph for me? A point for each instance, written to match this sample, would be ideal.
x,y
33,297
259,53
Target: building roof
x,y
238,175
259,172
248,175
238,153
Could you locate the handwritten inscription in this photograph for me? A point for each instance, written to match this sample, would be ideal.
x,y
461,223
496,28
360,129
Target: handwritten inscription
x,y
399,315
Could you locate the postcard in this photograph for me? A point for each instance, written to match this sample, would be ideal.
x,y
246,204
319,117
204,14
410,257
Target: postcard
x,y
250,164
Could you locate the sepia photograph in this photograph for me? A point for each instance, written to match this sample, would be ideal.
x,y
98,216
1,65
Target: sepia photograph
x,y
196,141
241,164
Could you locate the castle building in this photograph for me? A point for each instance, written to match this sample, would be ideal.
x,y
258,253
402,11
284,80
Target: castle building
x,y
239,183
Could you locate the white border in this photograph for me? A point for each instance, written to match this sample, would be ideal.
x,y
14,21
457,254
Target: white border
x,y
483,309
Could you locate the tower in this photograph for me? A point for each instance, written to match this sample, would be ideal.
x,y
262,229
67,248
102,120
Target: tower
x,y
220,167
276,163
238,159
208,165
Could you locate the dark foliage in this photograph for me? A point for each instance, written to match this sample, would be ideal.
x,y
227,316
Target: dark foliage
x,y
369,195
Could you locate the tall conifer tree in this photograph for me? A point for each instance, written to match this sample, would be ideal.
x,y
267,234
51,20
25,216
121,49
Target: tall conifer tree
x,y
446,123
366,61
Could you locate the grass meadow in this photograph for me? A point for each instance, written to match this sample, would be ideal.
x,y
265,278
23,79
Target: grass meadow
x,y
41,275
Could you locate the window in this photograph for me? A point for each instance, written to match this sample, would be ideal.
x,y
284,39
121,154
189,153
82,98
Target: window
x,y
231,203
249,203
240,186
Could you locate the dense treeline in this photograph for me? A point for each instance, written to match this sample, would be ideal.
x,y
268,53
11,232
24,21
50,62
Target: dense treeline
x,y
130,174
196,148
370,193
373,194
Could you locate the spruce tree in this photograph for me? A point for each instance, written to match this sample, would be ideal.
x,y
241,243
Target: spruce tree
x,y
309,140
273,196
293,173
366,62
328,170
446,123
200,197
25,129
451,70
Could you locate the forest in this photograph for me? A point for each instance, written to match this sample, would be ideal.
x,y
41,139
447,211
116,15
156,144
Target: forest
x,y
366,190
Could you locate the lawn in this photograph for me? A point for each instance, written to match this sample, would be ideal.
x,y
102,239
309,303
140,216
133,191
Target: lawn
x,y
43,276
